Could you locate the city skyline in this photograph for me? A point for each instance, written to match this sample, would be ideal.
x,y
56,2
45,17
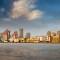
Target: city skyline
x,y
36,17
21,37
23,33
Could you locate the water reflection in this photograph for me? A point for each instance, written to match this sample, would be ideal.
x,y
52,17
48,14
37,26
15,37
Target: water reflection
x,y
29,51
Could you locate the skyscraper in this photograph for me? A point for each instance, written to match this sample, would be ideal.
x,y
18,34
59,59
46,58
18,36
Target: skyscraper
x,y
58,33
49,37
27,35
15,35
21,33
49,33
6,35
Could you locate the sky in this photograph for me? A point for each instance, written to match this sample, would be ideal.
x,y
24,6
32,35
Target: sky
x,y
35,16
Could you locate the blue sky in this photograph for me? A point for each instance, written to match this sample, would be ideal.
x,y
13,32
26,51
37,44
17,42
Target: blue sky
x,y
37,17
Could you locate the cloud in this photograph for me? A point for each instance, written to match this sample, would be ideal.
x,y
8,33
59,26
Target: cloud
x,y
25,8
35,14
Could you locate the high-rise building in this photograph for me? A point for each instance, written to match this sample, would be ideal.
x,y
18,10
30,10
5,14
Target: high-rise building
x,y
6,35
28,35
15,35
0,37
49,33
58,33
53,34
49,37
21,33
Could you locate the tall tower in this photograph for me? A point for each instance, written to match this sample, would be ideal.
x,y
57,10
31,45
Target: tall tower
x,y
28,35
49,36
49,33
21,33
58,33
6,35
15,35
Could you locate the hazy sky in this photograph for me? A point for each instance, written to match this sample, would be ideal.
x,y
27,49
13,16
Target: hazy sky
x,y
35,16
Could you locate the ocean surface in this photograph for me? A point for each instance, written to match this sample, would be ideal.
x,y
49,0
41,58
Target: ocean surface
x,y
29,51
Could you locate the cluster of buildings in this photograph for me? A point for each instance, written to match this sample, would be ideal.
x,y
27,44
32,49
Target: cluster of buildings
x,y
18,37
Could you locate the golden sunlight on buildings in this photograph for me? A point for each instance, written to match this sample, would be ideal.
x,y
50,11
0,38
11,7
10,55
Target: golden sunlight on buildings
x,y
55,39
5,35
34,39
15,37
